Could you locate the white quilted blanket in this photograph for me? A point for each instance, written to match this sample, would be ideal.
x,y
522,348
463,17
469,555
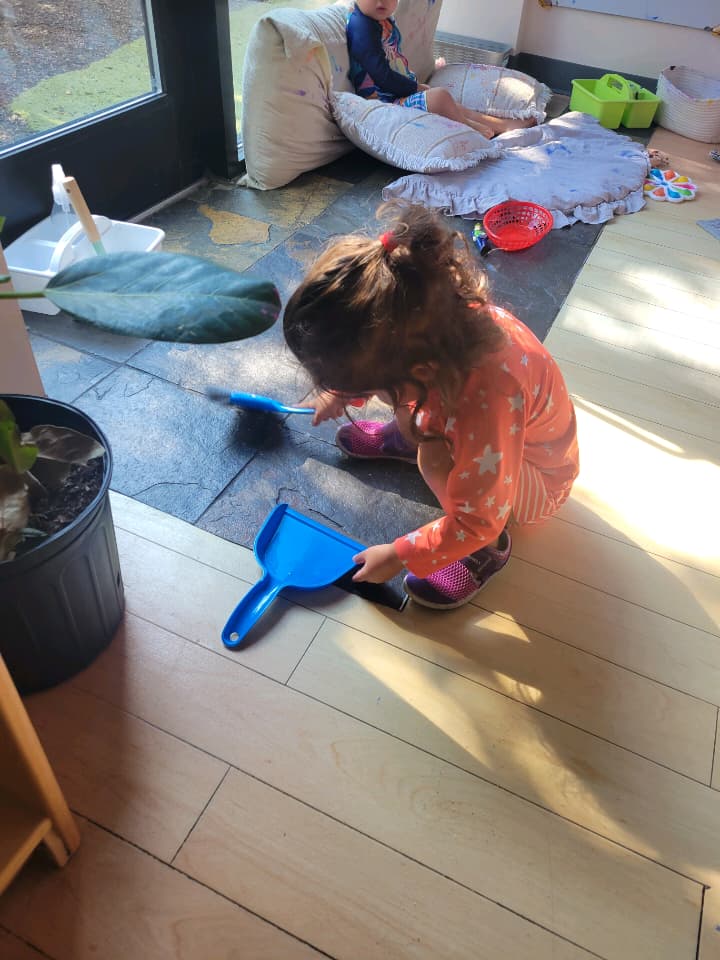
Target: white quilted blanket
x,y
571,165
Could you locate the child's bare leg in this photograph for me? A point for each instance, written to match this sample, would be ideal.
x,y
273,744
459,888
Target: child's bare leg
x,y
435,464
441,101
500,124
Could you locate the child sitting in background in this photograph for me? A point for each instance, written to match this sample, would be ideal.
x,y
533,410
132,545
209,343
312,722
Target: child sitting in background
x,y
378,70
479,402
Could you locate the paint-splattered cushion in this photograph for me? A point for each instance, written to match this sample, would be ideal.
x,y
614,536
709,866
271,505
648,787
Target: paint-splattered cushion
x,y
571,165
410,139
497,91
295,59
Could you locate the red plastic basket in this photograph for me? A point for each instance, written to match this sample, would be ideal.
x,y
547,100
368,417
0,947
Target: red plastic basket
x,y
517,224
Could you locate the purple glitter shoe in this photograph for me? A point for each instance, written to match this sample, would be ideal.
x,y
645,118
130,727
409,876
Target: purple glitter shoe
x,y
369,440
458,583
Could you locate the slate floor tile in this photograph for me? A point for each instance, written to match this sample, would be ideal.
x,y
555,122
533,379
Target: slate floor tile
x,y
356,209
172,449
288,263
293,206
64,329
226,238
65,371
370,501
259,365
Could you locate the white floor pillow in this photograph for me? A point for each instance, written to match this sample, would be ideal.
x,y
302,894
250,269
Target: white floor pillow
x,y
572,165
410,139
497,91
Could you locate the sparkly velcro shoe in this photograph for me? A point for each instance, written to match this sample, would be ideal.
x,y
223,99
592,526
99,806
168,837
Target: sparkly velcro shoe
x,y
456,584
369,440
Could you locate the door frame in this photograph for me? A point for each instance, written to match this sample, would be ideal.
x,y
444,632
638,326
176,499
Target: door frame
x,y
141,153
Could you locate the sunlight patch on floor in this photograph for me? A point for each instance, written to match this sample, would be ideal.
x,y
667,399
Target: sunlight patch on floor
x,y
635,479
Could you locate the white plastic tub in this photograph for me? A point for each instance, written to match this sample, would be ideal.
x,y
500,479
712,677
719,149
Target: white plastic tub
x,y
45,249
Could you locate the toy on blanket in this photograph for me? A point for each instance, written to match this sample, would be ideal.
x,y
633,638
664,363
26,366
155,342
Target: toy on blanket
x,y
480,239
668,185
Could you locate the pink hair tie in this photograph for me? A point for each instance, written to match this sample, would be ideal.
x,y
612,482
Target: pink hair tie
x,y
389,241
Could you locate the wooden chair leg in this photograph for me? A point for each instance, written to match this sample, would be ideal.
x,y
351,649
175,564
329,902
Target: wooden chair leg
x,y
56,848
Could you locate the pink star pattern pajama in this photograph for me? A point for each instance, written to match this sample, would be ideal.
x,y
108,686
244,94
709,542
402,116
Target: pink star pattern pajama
x,y
512,438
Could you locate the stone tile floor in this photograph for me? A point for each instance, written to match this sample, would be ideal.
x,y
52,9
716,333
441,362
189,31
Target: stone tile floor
x,y
207,463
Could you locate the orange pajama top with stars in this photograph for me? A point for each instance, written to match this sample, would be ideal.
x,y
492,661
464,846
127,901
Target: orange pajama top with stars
x,y
514,407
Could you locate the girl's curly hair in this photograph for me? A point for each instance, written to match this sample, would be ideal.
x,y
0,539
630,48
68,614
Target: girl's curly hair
x,y
370,310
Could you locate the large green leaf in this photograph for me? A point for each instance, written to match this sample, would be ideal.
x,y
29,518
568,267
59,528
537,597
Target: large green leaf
x,y
165,296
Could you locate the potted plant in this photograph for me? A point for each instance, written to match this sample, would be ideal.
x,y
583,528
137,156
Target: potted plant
x,y
61,595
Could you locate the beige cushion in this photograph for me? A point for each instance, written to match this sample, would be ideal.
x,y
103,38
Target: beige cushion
x,y
408,138
497,91
295,59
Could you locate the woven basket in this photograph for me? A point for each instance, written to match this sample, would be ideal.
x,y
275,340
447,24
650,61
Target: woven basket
x,y
690,103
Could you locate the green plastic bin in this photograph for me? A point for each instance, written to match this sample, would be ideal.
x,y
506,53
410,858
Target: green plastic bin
x,y
640,111
606,98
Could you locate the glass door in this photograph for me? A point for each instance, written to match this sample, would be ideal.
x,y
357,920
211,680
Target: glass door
x,y
244,14
133,97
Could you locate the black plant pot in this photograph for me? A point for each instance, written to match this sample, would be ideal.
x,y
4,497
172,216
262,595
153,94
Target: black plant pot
x,y
62,601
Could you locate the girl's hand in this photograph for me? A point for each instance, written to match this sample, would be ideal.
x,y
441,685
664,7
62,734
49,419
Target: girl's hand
x,y
328,406
379,563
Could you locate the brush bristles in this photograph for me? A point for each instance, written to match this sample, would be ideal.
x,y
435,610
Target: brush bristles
x,y
217,393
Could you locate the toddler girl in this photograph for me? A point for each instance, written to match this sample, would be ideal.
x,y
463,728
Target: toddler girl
x,y
479,402
378,70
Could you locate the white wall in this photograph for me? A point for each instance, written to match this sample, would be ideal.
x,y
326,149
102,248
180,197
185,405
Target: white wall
x,y
487,19
618,43
595,39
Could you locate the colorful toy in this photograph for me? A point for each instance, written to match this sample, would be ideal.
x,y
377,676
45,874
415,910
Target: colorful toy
x,y
479,237
668,185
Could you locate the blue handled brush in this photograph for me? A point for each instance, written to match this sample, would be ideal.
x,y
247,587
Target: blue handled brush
x,y
253,401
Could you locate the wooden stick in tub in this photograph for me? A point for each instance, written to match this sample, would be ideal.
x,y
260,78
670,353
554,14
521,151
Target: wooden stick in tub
x,y
83,213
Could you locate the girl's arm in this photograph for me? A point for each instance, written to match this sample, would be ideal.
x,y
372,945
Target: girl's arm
x,y
365,46
382,562
478,494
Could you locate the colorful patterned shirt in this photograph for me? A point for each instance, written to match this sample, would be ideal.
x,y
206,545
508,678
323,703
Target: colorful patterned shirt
x,y
514,406
378,70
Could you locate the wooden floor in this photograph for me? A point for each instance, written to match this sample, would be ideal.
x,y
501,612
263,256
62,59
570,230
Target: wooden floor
x,y
532,776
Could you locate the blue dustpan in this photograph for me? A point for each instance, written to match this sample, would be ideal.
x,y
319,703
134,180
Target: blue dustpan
x,y
293,551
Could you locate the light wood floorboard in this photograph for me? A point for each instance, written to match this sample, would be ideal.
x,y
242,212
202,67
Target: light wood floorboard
x,y
114,901
637,366
194,600
589,781
121,772
660,406
352,896
12,948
